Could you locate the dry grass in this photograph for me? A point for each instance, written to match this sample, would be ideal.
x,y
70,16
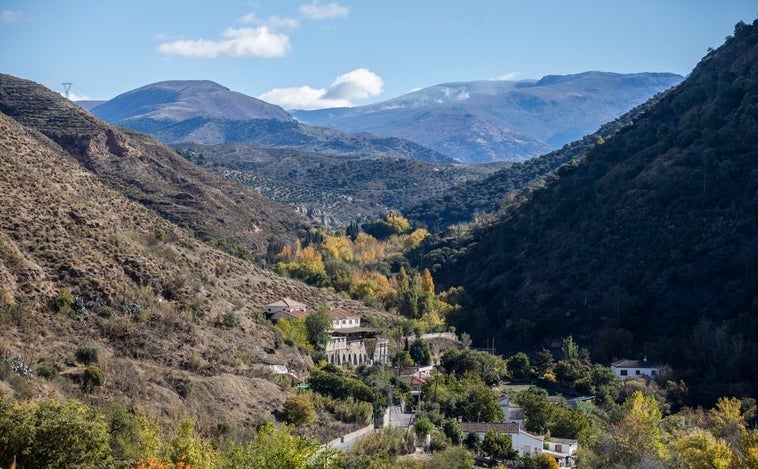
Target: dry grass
x,y
146,294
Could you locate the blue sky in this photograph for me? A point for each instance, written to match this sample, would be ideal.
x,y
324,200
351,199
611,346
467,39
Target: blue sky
x,y
311,54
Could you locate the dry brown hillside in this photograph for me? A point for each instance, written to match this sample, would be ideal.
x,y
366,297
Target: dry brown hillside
x,y
175,322
149,172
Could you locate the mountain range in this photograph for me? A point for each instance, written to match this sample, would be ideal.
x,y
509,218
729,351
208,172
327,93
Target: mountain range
x,y
486,121
472,122
208,113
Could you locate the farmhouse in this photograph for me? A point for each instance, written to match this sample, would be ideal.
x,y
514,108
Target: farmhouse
x,y
285,304
626,369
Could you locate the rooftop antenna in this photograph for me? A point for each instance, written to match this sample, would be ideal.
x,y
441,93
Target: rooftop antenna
x,y
66,88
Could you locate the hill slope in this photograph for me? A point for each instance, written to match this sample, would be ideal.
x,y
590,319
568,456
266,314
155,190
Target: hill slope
x,y
500,120
653,236
332,190
150,172
482,198
174,321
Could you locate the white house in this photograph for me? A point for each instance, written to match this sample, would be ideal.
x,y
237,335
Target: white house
x,y
626,369
562,449
511,412
523,442
285,304
352,344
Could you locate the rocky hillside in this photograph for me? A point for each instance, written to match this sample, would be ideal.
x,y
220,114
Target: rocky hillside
x,y
484,121
90,278
150,172
647,246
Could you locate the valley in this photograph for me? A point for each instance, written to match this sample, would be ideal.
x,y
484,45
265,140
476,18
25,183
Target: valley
x,y
194,278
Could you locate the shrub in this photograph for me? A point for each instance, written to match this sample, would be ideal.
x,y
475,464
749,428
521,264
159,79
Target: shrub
x,y
46,369
64,302
299,409
86,355
92,376
228,320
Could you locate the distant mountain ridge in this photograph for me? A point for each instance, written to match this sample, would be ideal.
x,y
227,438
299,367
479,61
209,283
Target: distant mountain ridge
x,y
207,113
180,100
485,121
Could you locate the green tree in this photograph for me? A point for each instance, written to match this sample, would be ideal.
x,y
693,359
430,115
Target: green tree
x,y
420,353
48,434
498,445
537,409
480,405
275,447
190,448
299,409
569,349
519,366
423,426
317,327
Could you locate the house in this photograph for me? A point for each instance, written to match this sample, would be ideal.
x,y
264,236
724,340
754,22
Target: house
x,y
523,442
626,369
289,315
285,304
353,344
344,319
562,449
511,412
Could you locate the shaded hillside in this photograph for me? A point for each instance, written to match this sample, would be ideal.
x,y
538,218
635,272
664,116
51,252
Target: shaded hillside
x,y
173,322
652,237
476,198
331,190
485,121
207,113
150,172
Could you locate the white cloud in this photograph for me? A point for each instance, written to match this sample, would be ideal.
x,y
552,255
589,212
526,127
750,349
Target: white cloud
x,y
355,85
272,22
237,42
75,96
358,84
10,16
318,12
508,76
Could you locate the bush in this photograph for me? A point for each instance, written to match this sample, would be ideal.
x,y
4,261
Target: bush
x,y
87,355
299,409
46,370
92,376
64,302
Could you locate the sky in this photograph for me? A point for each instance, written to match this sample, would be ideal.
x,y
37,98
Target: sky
x,y
310,54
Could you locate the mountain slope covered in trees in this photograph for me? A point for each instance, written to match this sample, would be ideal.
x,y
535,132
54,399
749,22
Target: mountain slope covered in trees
x,y
648,245
474,198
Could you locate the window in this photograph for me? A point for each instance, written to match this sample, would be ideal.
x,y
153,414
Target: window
x,y
623,373
636,372
558,448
